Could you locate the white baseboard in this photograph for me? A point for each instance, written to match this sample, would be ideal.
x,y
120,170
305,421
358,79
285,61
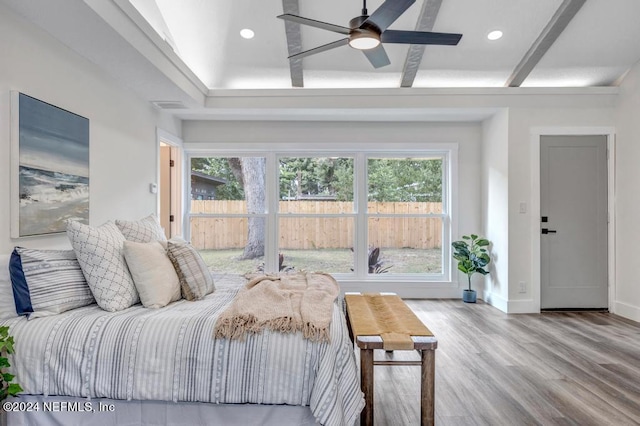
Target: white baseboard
x,y
627,311
496,301
525,306
406,290
511,306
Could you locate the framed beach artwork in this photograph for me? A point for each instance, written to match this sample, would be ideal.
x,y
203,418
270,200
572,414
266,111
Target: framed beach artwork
x,y
50,167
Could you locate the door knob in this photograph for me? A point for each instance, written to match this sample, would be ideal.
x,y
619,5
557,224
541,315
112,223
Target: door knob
x,y
548,231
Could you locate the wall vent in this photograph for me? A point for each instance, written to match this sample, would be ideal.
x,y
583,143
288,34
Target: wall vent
x,y
169,104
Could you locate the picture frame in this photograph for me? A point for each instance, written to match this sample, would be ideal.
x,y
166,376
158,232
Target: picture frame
x,y
49,167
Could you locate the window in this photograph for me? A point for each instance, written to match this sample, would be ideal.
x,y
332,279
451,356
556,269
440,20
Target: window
x,y
364,215
316,213
229,231
405,214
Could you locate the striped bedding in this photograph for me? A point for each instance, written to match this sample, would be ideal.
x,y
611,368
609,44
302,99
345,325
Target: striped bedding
x,y
169,354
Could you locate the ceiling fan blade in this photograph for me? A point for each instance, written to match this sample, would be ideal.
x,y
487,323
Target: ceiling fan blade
x,y
377,56
387,13
420,37
313,23
319,49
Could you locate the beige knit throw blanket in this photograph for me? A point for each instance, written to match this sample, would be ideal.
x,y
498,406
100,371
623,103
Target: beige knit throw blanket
x,y
285,303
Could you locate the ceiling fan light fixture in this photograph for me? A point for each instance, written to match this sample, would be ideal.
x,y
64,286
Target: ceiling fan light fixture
x,y
367,33
363,40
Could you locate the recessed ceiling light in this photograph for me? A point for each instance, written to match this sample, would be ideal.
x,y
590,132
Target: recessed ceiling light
x,y
247,33
494,35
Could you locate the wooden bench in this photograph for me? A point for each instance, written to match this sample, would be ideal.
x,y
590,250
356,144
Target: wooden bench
x,y
384,321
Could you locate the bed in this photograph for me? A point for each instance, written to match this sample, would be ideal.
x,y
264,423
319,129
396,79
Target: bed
x,y
163,366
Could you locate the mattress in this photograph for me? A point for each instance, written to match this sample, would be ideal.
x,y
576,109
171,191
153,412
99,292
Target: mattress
x,y
170,354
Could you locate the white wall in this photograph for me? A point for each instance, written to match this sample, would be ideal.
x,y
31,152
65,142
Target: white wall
x,y
627,297
522,122
265,135
508,165
495,206
122,127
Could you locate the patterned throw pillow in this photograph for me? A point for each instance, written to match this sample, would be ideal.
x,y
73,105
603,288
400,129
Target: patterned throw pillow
x,y
47,282
100,254
144,230
195,279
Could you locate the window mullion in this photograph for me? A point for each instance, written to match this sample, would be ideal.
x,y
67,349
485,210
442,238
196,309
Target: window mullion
x,y
361,236
272,191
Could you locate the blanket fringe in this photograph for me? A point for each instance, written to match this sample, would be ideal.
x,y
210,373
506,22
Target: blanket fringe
x,y
315,334
238,327
283,325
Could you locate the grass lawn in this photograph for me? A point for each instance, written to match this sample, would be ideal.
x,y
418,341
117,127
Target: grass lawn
x,y
328,260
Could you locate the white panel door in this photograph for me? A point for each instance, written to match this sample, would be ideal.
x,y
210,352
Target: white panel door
x,y
573,223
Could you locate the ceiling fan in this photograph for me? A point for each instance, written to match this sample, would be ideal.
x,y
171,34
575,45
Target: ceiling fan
x,y
366,32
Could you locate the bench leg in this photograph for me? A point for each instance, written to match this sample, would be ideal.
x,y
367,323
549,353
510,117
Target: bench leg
x,y
427,392
366,384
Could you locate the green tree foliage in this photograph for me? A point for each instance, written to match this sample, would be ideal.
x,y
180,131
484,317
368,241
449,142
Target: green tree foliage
x,y
220,168
343,182
309,176
405,180
411,179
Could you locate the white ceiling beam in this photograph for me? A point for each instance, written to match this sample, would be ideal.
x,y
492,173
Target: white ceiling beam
x,y
294,42
556,25
426,20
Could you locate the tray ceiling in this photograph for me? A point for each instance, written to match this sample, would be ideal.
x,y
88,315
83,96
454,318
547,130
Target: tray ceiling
x,y
596,44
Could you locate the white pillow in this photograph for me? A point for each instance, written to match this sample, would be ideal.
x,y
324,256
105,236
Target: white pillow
x,y
153,273
7,303
142,231
100,254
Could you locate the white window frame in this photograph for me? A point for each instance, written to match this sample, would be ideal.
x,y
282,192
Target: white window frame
x,y
269,258
364,217
353,213
361,153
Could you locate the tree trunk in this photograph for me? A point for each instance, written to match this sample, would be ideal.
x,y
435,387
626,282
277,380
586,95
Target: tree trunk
x,y
236,169
253,177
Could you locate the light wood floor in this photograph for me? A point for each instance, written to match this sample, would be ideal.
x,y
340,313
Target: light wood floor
x,y
498,369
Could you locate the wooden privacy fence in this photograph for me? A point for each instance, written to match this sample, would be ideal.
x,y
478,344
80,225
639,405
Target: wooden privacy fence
x,y
316,232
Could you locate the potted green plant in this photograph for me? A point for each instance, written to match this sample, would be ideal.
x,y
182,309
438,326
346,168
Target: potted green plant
x,y
472,257
7,387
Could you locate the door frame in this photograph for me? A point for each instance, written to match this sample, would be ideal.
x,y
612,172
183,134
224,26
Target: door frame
x,y
177,187
536,133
